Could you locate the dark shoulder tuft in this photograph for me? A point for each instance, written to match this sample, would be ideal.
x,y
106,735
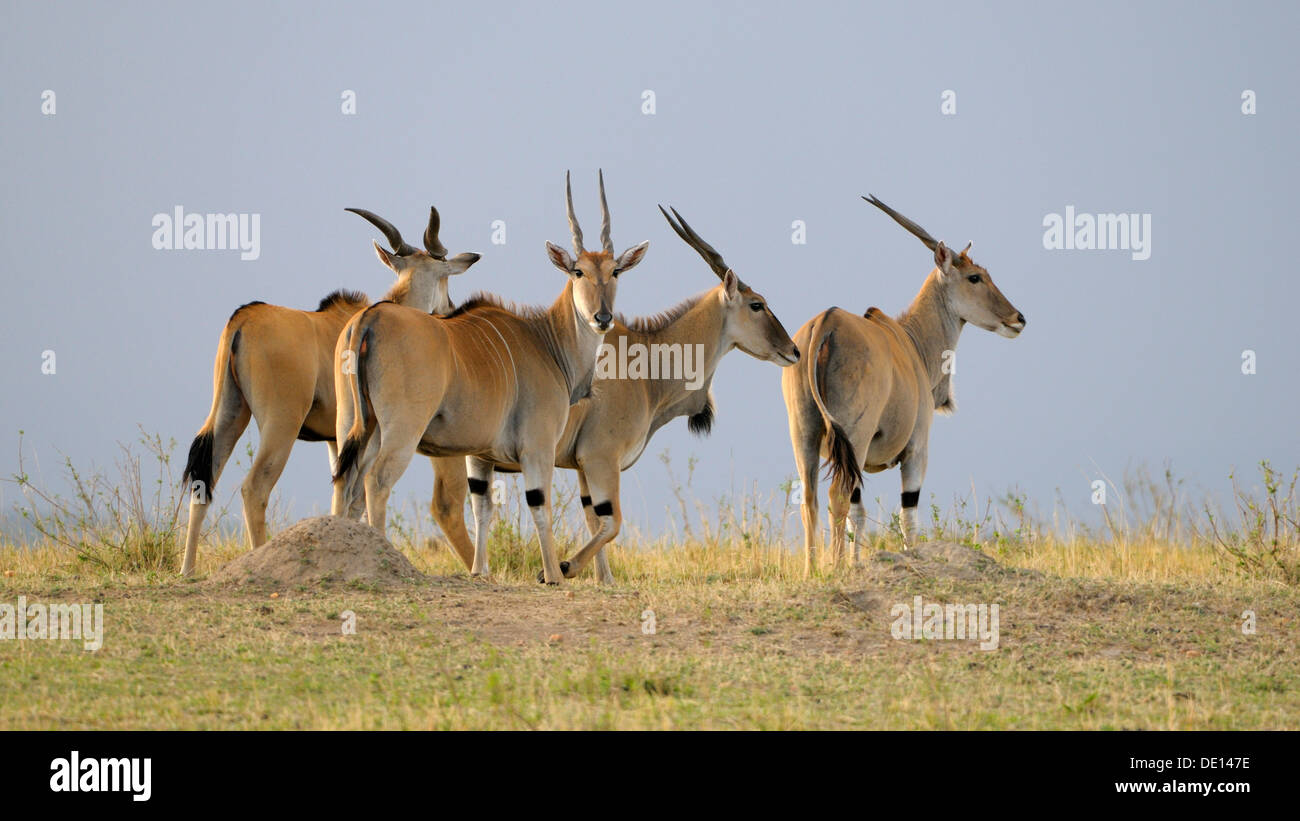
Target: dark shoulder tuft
x,y
340,297
700,423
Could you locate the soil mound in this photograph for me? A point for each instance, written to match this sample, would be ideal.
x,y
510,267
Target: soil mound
x,y
322,550
948,560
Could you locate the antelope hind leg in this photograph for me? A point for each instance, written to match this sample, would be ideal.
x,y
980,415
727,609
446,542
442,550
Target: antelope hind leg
x,y
224,436
858,514
601,568
450,487
277,438
602,482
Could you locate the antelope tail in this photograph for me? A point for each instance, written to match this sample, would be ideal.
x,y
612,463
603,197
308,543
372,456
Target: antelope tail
x,y
226,399
355,381
841,461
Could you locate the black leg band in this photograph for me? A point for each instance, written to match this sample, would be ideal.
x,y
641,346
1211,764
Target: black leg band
x,y
535,497
911,498
605,509
856,497
479,486
586,501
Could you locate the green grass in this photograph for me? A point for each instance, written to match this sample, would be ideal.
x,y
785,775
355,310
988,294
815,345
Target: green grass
x,y
1137,627
738,645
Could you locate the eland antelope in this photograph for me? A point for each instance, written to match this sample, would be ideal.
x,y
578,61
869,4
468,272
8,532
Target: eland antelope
x,y
607,433
872,384
276,365
489,381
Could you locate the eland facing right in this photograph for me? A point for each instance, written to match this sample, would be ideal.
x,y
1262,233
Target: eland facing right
x,y
869,387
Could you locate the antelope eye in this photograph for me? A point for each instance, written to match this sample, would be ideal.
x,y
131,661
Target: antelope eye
x,y
577,273
755,306
973,278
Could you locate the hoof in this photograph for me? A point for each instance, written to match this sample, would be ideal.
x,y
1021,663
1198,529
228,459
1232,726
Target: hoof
x,y
564,571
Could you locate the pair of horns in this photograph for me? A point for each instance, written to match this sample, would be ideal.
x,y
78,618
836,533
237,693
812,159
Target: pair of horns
x,y
688,235
606,243
914,229
400,247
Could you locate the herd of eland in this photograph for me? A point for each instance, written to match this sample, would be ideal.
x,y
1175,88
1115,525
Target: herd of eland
x,y
493,387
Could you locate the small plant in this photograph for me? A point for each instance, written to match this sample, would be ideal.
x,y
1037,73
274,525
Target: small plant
x,y
1266,539
118,525
133,522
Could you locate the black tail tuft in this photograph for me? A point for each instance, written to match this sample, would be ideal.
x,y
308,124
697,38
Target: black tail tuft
x,y
347,457
198,467
701,423
842,463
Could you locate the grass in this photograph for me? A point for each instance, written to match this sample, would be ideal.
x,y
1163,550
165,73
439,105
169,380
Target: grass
x,y
1140,627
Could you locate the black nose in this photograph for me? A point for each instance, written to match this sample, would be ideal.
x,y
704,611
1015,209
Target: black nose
x,y
1020,318
604,318
796,351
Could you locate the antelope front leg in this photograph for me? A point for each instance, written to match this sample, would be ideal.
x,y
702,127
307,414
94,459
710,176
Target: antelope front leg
x,y
913,474
537,479
480,499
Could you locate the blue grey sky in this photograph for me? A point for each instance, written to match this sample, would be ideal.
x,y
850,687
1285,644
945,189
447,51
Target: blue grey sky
x,y
765,113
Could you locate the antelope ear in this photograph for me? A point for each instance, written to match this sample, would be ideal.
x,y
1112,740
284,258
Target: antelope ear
x,y
631,257
965,252
730,285
388,259
943,258
560,258
461,262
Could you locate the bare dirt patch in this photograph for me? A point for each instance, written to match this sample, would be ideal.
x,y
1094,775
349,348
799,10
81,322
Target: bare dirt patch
x,y
320,551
